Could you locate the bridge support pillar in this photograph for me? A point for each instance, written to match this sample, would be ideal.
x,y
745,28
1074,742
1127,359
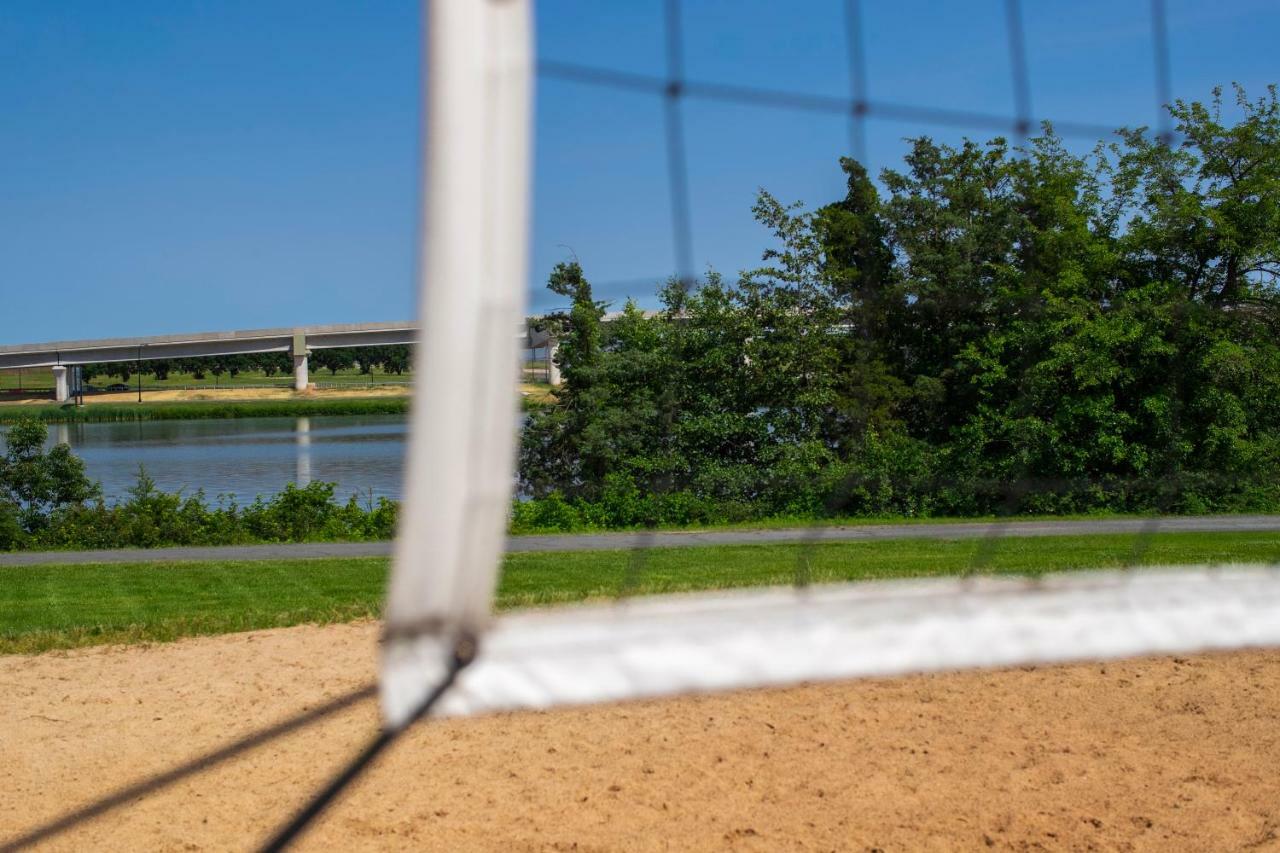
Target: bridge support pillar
x,y
300,353
299,373
60,392
553,369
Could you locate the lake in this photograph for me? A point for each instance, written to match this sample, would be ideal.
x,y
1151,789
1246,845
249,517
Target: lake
x,y
244,457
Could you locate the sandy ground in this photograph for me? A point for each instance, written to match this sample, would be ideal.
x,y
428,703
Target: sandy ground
x,y
1159,754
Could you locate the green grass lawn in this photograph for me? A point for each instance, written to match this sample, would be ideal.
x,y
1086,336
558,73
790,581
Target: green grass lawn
x,y
59,607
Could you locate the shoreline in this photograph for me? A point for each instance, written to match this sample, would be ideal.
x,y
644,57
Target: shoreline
x,y
229,403
205,409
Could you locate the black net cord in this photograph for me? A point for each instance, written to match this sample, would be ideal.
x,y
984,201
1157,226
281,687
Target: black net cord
x,y
677,161
1018,68
464,653
151,785
1163,74
857,80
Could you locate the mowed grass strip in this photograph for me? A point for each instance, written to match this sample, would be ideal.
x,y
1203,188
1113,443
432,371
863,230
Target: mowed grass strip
x,y
60,607
126,411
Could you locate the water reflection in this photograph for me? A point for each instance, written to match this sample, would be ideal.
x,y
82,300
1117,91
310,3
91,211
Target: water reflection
x,y
244,457
303,466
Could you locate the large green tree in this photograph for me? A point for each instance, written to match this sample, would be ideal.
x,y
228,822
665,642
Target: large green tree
x,y
34,483
1003,329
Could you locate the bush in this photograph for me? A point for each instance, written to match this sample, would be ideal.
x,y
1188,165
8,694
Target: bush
x,y
551,513
12,534
151,518
35,484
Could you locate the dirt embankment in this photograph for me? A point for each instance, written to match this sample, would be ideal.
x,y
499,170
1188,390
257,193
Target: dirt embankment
x,y
1159,754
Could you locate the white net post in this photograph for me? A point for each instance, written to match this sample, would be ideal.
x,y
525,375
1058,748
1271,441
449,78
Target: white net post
x,y
460,462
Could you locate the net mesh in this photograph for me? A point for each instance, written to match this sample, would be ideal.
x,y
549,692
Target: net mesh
x,y
1018,487
679,93
654,646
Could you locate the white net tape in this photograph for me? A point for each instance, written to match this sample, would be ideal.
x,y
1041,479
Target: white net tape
x,y
740,639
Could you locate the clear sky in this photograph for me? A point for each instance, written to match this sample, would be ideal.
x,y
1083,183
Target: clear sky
x,y
173,165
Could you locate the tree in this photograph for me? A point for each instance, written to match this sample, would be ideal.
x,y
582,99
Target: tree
x,y
34,483
579,331
335,359
1004,330
858,265
556,445
1207,214
396,359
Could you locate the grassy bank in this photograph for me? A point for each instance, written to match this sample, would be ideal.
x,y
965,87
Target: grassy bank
x,y
59,607
54,413
41,378
533,396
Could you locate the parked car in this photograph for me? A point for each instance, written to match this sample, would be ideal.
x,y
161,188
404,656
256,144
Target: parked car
x,y
118,386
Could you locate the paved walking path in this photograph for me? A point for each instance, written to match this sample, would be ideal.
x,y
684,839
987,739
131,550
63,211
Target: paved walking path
x,y
678,539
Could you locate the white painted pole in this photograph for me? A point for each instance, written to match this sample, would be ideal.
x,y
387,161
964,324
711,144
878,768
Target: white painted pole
x,y
300,373
60,392
553,369
300,352
461,456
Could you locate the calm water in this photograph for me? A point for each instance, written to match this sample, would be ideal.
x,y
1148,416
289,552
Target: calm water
x,y
244,457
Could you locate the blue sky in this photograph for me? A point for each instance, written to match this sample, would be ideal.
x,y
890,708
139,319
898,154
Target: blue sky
x,y
171,165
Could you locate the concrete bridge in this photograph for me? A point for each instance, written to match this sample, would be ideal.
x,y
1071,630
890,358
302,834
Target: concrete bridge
x,y
298,341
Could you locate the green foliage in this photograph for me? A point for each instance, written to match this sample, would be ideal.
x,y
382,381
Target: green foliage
x,y
150,518
47,501
35,483
392,358
1005,330
12,534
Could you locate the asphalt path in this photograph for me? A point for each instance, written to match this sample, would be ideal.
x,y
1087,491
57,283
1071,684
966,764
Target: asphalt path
x,y
678,539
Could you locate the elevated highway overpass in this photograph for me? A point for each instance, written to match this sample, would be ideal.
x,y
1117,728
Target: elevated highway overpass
x,y
298,341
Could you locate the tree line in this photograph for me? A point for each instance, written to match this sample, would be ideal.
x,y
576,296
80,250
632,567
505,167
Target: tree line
x,y
1000,329
992,328
391,359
